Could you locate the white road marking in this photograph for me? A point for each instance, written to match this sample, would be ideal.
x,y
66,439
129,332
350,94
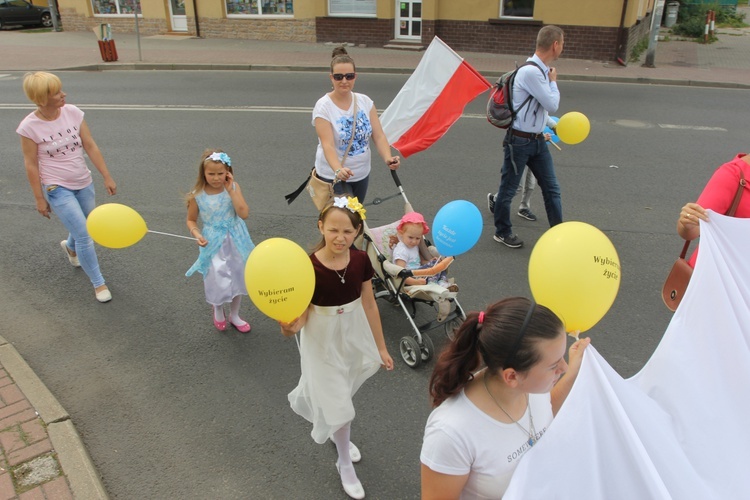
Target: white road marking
x,y
691,127
276,109
168,107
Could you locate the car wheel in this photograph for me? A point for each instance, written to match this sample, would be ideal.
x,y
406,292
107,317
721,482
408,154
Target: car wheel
x,y
47,20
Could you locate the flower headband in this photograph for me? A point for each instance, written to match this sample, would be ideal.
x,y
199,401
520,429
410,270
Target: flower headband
x,y
351,204
220,157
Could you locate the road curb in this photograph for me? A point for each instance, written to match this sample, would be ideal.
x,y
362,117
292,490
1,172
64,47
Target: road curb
x,y
76,463
397,71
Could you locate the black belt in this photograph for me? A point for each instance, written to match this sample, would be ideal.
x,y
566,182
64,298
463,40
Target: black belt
x,y
526,135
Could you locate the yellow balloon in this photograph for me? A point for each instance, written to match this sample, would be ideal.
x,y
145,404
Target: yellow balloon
x,y
115,226
573,127
575,271
280,279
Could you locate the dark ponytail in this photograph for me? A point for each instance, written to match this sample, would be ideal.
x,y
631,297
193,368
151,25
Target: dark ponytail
x,y
501,341
341,56
458,360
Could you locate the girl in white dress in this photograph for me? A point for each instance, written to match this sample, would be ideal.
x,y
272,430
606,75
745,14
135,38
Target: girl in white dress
x,y
341,338
486,420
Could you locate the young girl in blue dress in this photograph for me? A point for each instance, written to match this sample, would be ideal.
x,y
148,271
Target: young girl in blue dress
x,y
341,337
224,241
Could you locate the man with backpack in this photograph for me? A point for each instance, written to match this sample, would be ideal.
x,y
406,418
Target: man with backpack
x,y
534,95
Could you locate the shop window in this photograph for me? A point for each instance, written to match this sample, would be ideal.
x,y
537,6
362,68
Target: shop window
x,y
358,8
260,7
517,8
116,6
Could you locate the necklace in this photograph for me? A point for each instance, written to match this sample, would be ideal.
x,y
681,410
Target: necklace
x,y
45,116
531,431
341,276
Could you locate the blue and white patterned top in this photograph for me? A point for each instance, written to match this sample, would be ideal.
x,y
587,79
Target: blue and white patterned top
x,y
359,157
219,219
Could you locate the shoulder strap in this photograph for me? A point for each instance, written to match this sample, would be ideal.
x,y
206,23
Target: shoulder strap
x,y
511,81
354,131
730,213
737,195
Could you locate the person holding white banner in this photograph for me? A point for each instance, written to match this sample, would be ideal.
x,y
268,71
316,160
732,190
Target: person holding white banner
x,y
486,420
719,196
345,121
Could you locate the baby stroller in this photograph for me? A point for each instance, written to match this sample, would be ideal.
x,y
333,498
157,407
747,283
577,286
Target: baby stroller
x,y
388,284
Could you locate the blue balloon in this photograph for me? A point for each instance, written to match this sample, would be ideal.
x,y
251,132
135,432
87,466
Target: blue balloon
x,y
456,228
555,138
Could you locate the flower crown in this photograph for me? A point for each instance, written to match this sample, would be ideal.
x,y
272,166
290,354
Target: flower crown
x,y
351,204
220,157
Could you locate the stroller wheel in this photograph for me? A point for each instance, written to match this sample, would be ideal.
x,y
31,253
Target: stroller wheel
x,y
411,352
450,328
427,348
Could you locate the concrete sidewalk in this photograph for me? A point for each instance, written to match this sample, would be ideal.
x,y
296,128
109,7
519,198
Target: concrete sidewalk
x,y
725,63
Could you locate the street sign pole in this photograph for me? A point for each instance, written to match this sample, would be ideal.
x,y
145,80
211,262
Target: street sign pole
x,y
654,33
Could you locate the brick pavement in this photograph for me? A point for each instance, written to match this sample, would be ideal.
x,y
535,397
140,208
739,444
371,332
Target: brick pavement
x,y
29,468
725,63
41,454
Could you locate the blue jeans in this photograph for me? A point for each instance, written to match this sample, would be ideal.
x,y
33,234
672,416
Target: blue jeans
x,y
534,154
72,207
356,189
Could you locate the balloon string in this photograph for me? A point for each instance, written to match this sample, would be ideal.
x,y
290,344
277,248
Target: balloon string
x,y
175,235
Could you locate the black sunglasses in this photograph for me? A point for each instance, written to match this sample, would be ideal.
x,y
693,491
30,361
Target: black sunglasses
x,y
340,76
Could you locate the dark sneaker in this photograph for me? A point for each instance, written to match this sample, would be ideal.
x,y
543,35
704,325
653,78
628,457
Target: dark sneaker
x,y
511,240
491,202
525,213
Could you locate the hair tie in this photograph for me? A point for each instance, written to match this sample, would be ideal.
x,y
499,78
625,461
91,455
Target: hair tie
x,y
481,318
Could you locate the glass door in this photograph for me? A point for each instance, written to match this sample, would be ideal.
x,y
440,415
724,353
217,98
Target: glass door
x,y
409,20
177,13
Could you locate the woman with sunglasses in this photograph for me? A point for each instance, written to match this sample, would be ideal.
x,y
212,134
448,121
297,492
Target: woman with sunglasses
x,y
341,158
486,419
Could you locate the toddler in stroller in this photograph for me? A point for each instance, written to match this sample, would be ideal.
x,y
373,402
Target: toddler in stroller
x,y
410,231
393,282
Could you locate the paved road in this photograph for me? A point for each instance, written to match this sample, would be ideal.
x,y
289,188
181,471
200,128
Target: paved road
x,y
169,408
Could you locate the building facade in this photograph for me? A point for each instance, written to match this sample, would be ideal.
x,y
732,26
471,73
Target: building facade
x,y
594,29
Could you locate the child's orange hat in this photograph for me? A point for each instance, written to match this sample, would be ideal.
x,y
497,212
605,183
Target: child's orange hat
x,y
413,218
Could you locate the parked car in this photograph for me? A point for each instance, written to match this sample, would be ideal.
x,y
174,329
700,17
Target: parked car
x,y
21,12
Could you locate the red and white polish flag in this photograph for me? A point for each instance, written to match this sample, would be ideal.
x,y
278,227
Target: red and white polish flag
x,y
431,100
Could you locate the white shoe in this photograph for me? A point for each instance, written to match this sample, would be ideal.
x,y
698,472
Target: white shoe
x,y
73,259
353,490
104,295
354,453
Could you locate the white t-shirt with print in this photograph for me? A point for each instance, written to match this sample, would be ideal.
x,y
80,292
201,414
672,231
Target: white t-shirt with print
x,y
59,147
358,159
408,255
461,439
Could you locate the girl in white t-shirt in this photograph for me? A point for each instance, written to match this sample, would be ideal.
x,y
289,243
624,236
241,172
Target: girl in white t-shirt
x,y
485,421
333,119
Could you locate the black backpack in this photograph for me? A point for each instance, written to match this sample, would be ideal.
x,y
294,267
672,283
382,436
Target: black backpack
x,y
500,111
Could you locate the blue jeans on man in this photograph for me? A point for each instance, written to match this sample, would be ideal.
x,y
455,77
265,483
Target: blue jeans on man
x,y
520,151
